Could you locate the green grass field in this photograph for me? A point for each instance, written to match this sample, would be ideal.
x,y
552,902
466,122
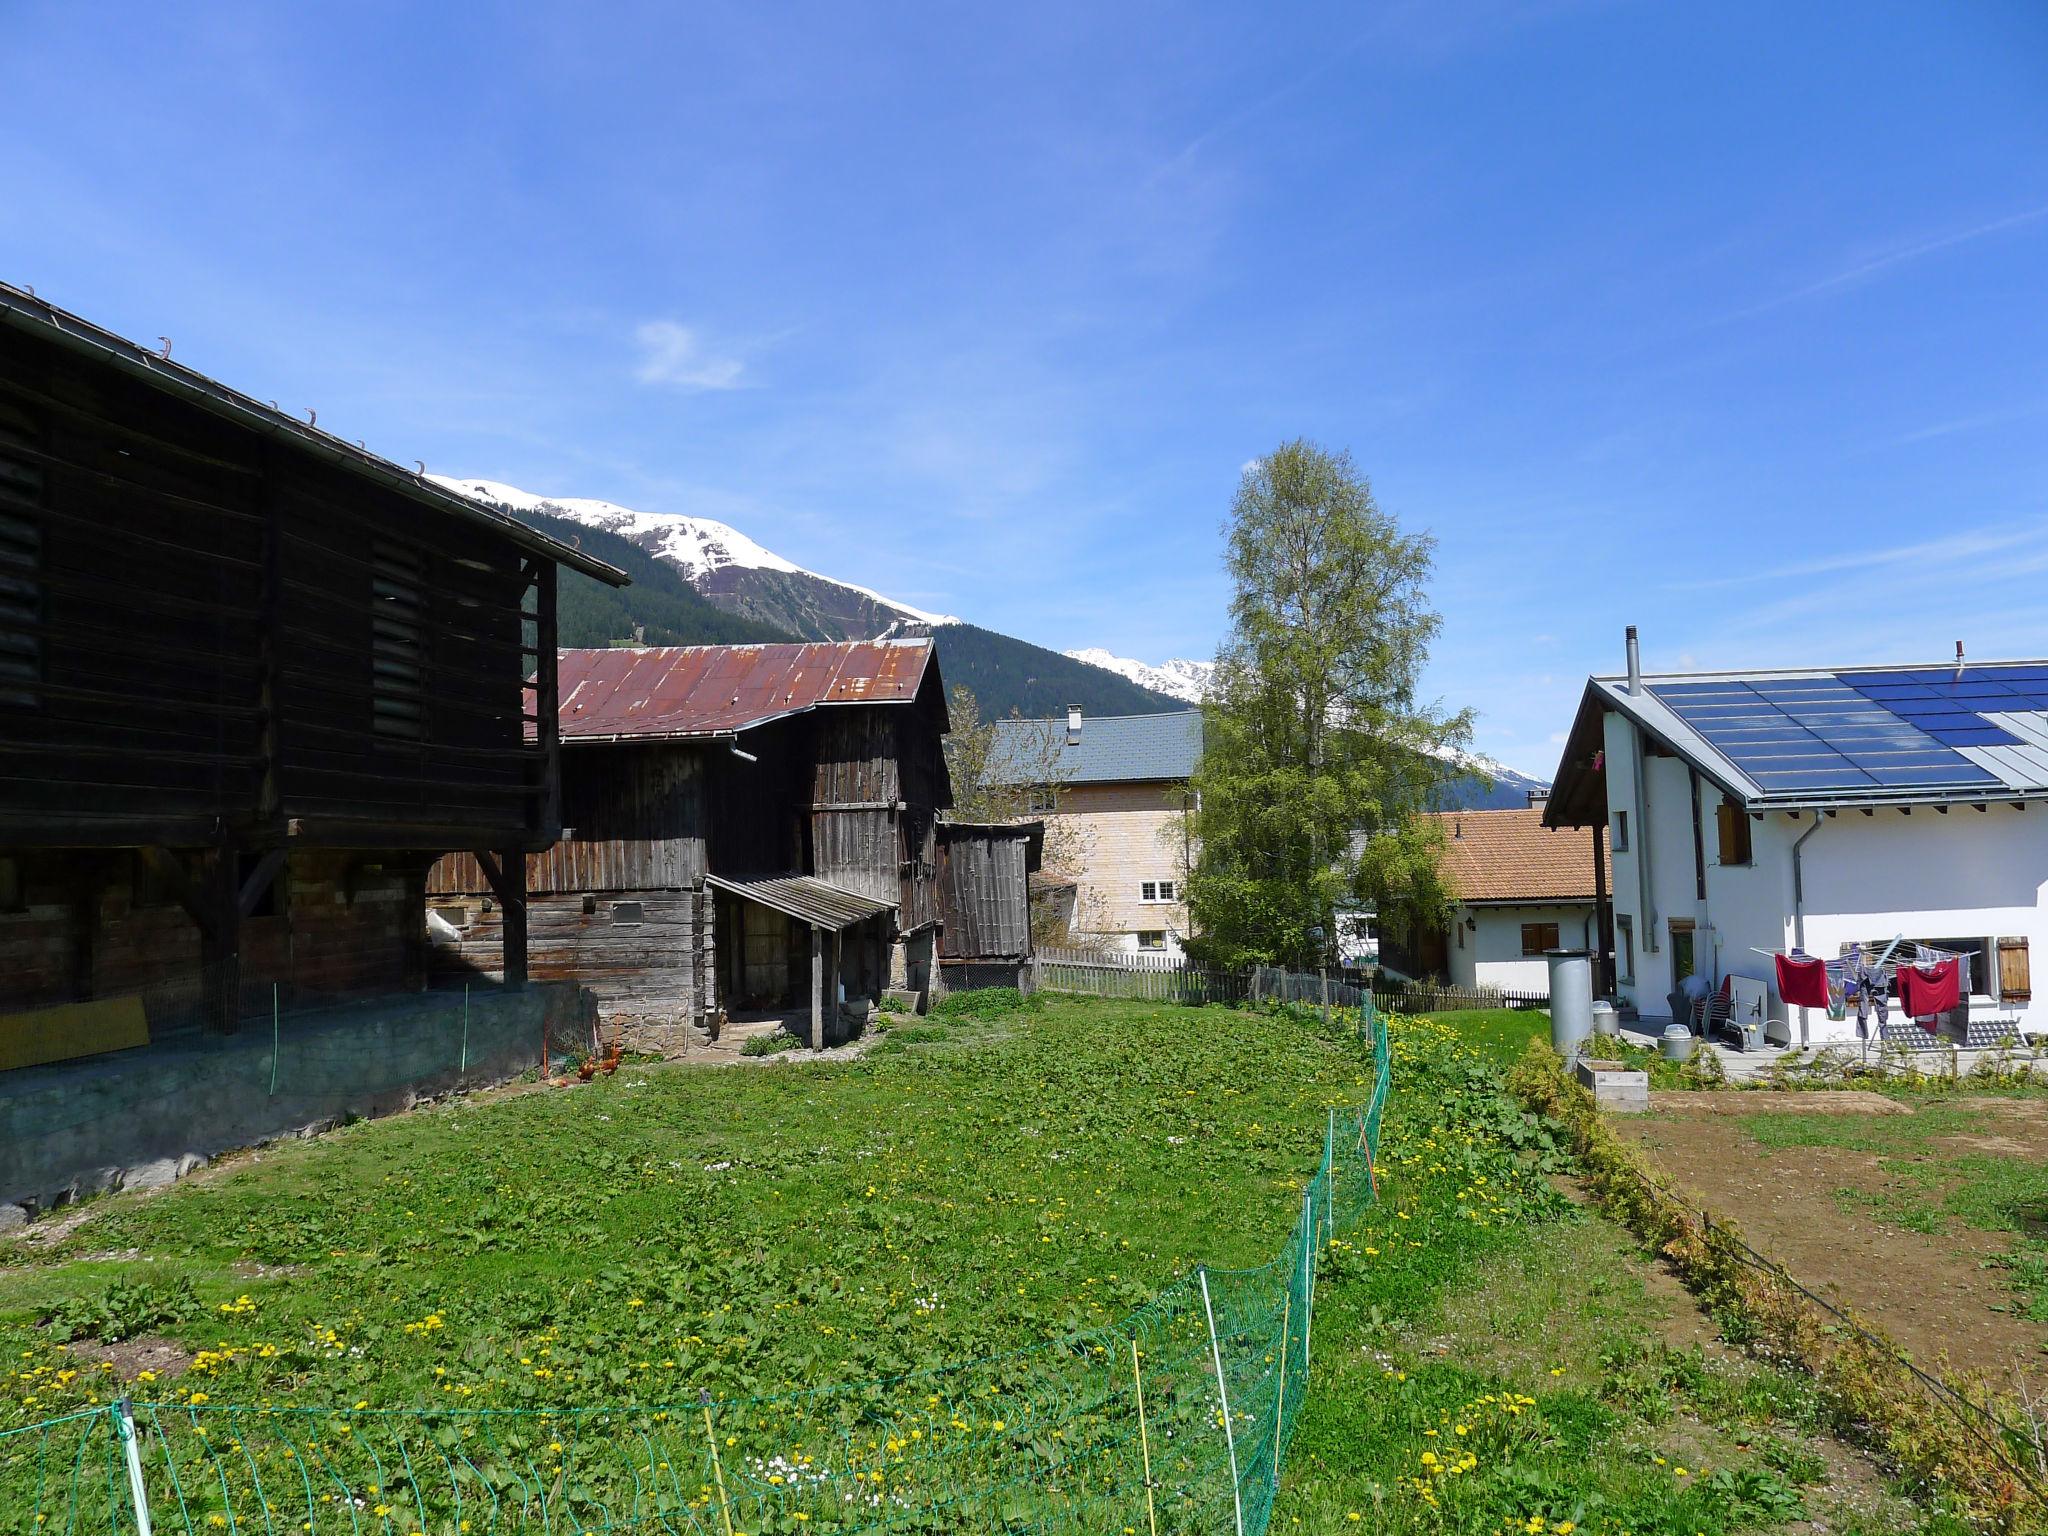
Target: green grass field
x,y
1486,1358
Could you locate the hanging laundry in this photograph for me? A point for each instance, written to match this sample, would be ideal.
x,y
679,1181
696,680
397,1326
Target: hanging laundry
x,y
1926,990
1802,980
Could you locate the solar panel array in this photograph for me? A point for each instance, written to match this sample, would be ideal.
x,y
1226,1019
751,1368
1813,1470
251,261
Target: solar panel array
x,y
1832,733
1951,706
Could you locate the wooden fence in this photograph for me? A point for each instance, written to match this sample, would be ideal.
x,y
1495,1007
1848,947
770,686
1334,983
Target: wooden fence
x,y
1174,979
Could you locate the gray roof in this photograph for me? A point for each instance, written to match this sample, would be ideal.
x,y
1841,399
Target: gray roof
x,y
1799,737
1114,749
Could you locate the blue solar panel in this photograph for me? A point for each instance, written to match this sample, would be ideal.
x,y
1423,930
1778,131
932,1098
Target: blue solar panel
x,y
1867,730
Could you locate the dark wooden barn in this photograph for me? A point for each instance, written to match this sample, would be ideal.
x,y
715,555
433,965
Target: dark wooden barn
x,y
751,830
253,681
984,902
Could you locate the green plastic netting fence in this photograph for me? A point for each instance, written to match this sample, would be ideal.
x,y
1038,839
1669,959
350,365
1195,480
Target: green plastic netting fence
x,y
1174,1420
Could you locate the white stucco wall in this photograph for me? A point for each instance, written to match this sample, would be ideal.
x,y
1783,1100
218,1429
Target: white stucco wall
x,y
1968,874
1491,952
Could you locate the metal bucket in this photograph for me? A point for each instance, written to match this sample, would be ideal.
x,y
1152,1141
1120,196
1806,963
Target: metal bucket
x,y
1678,1043
1606,1021
1571,999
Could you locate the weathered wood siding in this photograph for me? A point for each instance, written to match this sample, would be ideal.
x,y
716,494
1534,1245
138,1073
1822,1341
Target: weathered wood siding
x,y
646,956
637,815
206,636
984,898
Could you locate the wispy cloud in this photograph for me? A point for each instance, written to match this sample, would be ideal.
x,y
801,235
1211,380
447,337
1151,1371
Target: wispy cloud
x,y
674,354
1925,554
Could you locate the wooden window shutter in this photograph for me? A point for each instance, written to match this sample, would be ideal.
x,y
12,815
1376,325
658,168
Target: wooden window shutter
x,y
2015,982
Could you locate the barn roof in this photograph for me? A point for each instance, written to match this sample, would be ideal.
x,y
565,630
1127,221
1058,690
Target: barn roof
x,y
24,311
1510,856
676,692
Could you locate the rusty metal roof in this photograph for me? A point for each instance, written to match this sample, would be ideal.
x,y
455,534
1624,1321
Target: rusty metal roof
x,y
805,898
682,691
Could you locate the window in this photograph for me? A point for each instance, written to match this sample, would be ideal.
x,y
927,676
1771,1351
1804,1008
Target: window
x,y
1042,800
1538,937
1156,890
1625,947
1684,959
1152,938
1732,824
1981,960
1620,832
398,703
21,563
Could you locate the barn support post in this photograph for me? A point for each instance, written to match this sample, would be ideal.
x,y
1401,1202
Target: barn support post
x,y
838,980
817,988
506,874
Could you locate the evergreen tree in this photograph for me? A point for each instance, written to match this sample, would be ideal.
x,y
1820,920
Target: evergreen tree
x,y
1318,753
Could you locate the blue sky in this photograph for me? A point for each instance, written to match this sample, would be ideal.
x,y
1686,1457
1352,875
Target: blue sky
x,y
1729,320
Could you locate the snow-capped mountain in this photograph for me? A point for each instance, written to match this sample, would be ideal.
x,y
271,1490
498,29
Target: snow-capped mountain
x,y
1177,679
732,570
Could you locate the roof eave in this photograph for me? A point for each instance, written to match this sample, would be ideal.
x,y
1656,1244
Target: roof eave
x,y
30,313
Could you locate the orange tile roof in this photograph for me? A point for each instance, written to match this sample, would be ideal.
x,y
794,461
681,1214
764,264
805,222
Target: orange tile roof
x,y
1512,856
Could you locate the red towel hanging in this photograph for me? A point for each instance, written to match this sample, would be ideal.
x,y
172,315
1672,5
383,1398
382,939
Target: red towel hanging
x,y
1926,990
1802,981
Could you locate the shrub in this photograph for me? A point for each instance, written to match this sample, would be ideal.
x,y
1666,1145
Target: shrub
x,y
769,1045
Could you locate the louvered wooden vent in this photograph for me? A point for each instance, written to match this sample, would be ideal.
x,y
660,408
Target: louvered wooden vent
x,y
398,697
21,563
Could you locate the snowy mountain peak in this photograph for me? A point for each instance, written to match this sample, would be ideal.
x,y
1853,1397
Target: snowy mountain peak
x,y
699,547
1178,679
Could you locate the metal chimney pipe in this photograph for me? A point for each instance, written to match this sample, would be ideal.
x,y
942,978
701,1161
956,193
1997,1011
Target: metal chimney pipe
x,y
1635,662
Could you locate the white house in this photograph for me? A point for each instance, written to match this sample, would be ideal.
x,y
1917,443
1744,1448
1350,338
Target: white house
x,y
1750,813
1522,889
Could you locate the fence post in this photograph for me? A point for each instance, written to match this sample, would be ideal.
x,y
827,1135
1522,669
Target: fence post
x,y
1222,1397
1308,1277
1330,1172
274,1038
124,1427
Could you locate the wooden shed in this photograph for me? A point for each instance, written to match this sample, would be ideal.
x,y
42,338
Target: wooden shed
x,y
984,902
253,680
750,831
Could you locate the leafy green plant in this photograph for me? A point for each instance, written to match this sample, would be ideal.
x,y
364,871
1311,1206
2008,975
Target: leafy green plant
x,y
987,1003
770,1045
123,1310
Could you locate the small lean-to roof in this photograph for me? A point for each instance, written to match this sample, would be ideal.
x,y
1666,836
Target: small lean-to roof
x,y
1510,856
676,692
24,311
1113,749
1816,737
805,898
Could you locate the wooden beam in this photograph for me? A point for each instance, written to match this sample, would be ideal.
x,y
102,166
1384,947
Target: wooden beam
x,y
260,880
838,978
547,680
507,877
817,988
171,870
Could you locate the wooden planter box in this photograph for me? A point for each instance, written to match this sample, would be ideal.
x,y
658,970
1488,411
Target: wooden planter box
x,y
1617,1089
